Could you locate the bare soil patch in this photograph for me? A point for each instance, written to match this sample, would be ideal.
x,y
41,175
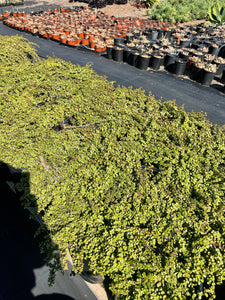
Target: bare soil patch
x,y
117,10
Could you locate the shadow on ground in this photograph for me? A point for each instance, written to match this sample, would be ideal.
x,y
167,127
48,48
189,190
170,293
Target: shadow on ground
x,y
19,251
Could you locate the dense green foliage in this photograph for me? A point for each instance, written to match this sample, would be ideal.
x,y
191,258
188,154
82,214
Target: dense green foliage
x,y
216,14
150,3
177,11
135,185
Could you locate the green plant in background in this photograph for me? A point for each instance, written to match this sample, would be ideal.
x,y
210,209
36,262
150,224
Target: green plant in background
x,y
177,11
150,3
135,185
216,14
13,2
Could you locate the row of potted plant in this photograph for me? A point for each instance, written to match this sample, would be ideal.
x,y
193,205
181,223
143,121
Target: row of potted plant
x,y
79,26
142,43
163,49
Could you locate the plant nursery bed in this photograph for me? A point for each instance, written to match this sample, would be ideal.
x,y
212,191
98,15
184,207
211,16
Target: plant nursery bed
x,y
79,26
195,51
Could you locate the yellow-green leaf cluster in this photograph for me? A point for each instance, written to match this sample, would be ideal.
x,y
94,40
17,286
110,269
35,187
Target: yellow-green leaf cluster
x,y
134,185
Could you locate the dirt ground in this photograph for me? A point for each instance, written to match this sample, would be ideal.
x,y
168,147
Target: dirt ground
x,y
124,10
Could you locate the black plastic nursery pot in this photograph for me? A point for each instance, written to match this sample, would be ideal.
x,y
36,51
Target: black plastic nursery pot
x,y
143,62
196,73
109,52
184,56
117,54
156,61
118,41
129,37
185,43
195,44
126,54
222,80
169,62
137,34
222,51
206,77
180,66
214,49
133,58
220,68
153,35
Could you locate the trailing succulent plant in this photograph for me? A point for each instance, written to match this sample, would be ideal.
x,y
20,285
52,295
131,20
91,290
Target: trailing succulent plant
x,y
216,14
133,185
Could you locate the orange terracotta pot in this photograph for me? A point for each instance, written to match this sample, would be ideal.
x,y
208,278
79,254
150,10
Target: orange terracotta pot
x,y
78,41
55,37
92,45
63,41
137,22
81,35
85,42
100,49
6,14
71,43
91,37
122,35
177,37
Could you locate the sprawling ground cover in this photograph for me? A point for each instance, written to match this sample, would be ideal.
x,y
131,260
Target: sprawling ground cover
x,y
132,184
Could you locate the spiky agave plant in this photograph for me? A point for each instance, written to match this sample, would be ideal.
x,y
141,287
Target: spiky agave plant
x,y
216,14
